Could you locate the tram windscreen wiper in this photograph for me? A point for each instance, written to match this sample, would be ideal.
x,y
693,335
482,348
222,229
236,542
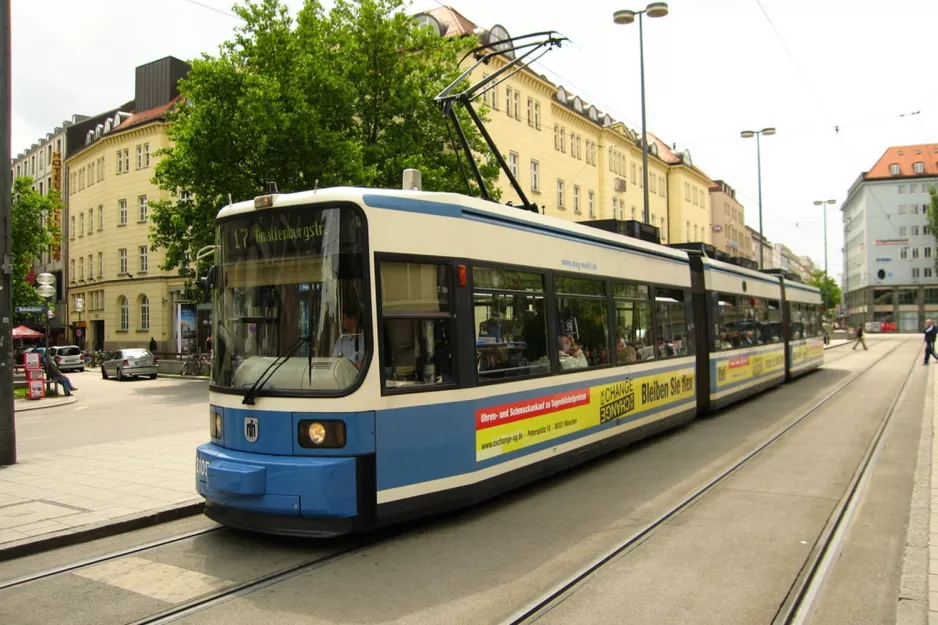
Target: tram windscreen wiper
x,y
272,368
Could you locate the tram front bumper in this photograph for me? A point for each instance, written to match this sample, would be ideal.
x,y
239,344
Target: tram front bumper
x,y
258,485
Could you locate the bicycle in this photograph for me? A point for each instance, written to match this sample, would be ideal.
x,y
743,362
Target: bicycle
x,y
193,364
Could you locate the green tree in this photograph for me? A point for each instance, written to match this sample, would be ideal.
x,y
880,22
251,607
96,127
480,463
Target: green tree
x,y
343,97
32,235
830,290
932,212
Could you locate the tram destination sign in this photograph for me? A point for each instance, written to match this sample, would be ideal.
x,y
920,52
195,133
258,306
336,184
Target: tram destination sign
x,y
288,233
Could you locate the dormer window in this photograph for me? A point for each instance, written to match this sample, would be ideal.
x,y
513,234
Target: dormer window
x,y
577,104
593,114
894,169
918,167
562,95
900,152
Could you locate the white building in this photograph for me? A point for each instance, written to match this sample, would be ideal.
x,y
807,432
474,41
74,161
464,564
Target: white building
x,y
889,252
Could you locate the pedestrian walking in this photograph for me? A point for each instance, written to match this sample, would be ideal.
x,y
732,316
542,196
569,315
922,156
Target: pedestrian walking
x,y
931,332
152,345
859,336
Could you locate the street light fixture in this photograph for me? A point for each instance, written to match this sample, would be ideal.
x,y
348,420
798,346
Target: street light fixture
x,y
626,16
749,134
46,290
823,204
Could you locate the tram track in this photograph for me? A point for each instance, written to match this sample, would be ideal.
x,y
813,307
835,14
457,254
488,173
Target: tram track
x,y
107,557
797,605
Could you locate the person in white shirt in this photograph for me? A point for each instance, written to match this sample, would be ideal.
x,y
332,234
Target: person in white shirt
x,y
350,343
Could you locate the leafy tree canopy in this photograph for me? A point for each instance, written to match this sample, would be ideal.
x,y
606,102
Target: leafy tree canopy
x,y
830,290
32,235
343,97
932,213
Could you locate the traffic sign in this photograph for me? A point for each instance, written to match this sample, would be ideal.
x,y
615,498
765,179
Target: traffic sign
x,y
29,309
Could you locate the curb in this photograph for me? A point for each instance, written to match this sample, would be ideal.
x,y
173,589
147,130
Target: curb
x,y
34,405
105,529
176,376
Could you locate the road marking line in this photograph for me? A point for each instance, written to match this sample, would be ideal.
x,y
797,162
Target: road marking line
x,y
81,408
165,582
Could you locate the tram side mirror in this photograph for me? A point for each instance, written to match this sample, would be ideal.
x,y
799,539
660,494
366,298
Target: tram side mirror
x,y
207,282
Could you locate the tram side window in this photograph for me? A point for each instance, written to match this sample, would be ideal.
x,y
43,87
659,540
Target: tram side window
x,y
739,321
583,333
798,322
633,323
811,316
417,324
772,323
672,330
511,324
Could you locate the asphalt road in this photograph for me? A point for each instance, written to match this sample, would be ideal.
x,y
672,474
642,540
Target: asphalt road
x,y
478,565
108,410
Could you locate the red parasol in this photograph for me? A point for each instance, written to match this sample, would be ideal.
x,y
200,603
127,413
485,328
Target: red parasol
x,y
22,332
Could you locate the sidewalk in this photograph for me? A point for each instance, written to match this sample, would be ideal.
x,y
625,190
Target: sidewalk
x,y
25,405
59,493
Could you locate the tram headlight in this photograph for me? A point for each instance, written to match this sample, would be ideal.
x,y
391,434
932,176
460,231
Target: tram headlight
x,y
316,433
215,422
321,434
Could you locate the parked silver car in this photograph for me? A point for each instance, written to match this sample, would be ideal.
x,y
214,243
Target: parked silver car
x,y
67,357
128,363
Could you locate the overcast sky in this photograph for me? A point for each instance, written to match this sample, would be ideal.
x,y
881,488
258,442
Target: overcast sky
x,y
712,69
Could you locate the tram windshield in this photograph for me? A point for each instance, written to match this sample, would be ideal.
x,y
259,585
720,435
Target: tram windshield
x,y
290,283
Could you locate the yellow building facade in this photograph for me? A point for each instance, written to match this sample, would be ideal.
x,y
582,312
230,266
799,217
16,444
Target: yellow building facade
x,y
127,299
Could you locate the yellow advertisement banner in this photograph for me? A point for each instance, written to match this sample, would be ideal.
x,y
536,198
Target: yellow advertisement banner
x,y
750,366
509,427
804,352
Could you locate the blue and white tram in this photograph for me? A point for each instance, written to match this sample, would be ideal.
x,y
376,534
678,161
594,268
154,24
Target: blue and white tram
x,y
385,354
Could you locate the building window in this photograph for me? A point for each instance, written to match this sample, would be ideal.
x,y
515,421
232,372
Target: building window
x,y
915,272
90,221
894,169
914,230
100,216
927,251
901,188
537,115
661,187
144,312
634,174
531,112
615,207
535,176
576,199
914,253
122,212
918,167
81,268
120,163
143,258
903,231
653,184
904,253
513,164
926,230
633,213
125,313
902,209
100,264
913,188
508,101
127,161
563,140
517,97
122,256
142,206
139,157
591,205
71,231
90,266
71,271
560,194
557,137
928,272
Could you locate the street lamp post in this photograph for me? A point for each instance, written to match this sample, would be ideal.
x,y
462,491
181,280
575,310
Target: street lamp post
x,y
748,134
626,16
46,290
823,204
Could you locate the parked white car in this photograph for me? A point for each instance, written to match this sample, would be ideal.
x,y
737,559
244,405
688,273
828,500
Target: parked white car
x,y
67,357
126,363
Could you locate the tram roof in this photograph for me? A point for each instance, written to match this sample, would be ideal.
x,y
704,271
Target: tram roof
x,y
453,205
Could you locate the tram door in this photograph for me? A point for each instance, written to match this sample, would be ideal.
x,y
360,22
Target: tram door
x,y
702,332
